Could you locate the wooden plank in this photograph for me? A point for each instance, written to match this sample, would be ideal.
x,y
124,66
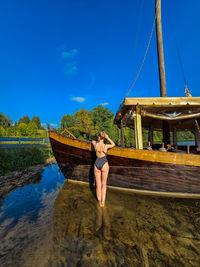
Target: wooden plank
x,y
162,101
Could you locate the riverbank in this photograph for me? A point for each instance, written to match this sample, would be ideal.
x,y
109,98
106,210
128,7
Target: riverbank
x,y
16,179
22,157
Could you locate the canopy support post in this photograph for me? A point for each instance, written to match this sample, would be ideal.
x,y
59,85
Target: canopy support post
x,y
150,137
122,134
175,138
166,133
197,140
138,128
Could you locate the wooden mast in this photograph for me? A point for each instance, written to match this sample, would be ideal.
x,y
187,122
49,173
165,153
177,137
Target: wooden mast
x,y
161,64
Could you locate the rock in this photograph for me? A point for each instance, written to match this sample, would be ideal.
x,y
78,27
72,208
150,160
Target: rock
x,y
16,179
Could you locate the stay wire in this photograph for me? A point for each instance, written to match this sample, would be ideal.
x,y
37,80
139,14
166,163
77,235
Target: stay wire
x,y
142,60
136,41
179,57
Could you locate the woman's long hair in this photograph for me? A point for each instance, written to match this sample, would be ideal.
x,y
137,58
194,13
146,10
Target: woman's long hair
x,y
102,135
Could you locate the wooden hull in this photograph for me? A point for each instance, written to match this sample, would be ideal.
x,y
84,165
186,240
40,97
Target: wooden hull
x,y
178,176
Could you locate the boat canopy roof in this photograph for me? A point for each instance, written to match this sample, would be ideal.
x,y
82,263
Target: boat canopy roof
x,y
181,112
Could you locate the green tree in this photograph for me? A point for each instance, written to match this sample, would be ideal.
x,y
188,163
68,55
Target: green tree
x,y
21,129
103,118
67,121
31,129
85,124
4,122
10,131
10,121
24,119
2,131
36,120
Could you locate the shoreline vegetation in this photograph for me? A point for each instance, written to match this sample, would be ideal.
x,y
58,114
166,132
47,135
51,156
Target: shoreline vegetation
x,y
22,157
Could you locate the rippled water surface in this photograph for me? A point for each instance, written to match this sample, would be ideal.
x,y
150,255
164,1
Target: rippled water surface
x,y
58,223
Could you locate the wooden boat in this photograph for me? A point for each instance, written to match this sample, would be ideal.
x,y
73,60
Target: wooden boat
x,y
144,171
149,172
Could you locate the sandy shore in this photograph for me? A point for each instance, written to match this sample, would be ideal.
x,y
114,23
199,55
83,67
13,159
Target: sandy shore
x,y
16,179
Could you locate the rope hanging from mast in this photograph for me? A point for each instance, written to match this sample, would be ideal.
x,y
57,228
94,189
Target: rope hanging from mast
x,y
186,90
142,60
135,45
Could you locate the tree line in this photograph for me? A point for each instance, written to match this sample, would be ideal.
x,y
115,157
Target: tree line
x,y
86,125
22,128
83,124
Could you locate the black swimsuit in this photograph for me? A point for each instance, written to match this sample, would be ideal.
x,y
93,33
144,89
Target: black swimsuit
x,y
99,163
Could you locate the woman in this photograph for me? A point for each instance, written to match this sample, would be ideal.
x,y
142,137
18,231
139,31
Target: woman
x,y
101,167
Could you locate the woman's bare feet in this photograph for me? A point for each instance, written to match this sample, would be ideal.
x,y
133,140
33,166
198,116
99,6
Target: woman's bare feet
x,y
102,204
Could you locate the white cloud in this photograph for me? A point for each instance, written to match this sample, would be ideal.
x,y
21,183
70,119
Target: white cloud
x,y
78,99
69,54
68,59
53,124
70,68
44,124
105,104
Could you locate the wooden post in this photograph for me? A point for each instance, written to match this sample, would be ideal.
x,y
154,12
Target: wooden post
x,y
175,138
166,132
188,149
197,135
197,140
122,134
150,137
138,129
160,50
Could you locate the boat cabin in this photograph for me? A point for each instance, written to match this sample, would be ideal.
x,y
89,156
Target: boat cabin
x,y
166,114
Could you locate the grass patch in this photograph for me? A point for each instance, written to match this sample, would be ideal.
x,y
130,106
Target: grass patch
x,y
19,158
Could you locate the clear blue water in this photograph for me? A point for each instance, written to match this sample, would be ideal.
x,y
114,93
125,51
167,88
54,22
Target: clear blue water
x,y
54,222
185,143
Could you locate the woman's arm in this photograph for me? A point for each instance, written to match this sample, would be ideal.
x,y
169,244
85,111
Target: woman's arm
x,y
112,144
94,143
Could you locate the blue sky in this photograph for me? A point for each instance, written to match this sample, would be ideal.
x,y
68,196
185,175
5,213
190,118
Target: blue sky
x,y
59,56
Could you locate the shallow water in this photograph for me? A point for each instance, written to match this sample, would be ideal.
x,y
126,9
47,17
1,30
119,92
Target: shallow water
x,y
58,223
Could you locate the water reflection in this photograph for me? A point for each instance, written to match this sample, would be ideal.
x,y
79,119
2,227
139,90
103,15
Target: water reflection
x,y
26,221
103,221
58,223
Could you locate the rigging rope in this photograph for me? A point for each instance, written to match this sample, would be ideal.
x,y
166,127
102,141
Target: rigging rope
x,y
142,60
136,43
179,57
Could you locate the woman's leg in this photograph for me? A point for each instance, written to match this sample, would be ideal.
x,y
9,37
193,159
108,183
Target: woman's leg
x,y
104,175
97,173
